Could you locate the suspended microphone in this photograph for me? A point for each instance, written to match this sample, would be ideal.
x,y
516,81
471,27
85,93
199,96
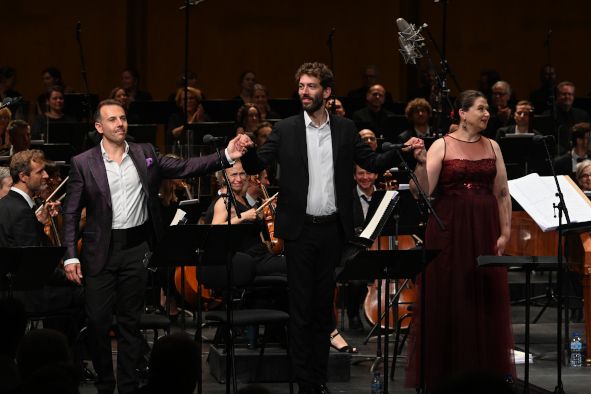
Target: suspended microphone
x,y
542,138
412,44
210,139
387,146
78,30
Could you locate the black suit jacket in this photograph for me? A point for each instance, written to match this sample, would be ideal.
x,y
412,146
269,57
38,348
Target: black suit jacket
x,y
287,145
563,165
18,224
88,187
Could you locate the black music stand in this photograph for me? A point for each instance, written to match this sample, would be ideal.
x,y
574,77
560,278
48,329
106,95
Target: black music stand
x,y
387,264
528,264
198,245
28,267
522,155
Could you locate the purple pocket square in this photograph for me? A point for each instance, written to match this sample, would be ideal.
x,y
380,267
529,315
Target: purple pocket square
x,y
149,162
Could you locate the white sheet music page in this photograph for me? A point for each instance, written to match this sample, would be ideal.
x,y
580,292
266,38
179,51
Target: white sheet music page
x,y
178,216
389,195
537,194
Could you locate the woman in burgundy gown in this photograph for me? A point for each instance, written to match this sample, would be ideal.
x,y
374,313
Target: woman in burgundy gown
x,y
467,312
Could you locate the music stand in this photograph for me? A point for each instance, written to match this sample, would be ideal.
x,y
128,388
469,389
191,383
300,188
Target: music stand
x,y
387,264
522,156
28,267
197,245
528,264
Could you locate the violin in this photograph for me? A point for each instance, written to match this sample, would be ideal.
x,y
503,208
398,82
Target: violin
x,y
275,244
53,226
408,292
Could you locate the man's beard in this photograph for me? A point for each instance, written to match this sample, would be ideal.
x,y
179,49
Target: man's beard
x,y
315,105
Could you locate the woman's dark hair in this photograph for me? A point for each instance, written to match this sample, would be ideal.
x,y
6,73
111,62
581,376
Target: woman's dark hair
x,y
54,88
464,101
243,113
243,74
55,73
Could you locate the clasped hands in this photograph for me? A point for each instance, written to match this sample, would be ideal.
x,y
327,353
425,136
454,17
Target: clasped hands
x,y
238,146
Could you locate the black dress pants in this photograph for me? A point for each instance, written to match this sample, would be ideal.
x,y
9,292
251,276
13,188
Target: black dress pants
x,y
117,290
311,261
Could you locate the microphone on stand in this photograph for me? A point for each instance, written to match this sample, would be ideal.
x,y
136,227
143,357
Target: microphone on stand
x,y
78,30
412,44
387,146
210,139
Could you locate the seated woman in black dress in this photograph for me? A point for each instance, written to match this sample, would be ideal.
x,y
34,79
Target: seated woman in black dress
x,y
54,114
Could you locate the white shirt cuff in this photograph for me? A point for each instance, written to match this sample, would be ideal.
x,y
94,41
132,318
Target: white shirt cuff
x,y
73,260
228,157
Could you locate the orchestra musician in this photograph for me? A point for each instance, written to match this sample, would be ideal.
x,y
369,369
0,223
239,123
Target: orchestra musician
x,y
20,226
118,184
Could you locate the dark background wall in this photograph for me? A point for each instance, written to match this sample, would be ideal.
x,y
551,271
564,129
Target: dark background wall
x,y
273,37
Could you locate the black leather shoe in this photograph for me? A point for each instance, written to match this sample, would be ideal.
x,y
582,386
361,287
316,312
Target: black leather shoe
x,y
322,389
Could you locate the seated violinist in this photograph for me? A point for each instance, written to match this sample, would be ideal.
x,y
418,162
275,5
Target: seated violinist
x,y
266,263
20,226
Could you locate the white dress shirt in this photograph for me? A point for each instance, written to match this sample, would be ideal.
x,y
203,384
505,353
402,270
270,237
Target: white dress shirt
x,y
365,200
127,196
321,191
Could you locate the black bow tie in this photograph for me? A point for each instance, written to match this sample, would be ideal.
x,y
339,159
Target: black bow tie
x,y
364,198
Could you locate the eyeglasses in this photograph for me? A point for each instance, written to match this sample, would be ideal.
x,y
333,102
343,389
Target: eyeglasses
x,y
585,176
522,113
499,93
368,138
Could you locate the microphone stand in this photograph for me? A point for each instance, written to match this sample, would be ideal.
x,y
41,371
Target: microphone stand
x,y
562,210
86,102
333,95
230,367
430,209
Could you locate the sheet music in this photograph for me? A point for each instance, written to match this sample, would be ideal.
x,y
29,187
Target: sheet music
x,y
178,217
536,195
369,230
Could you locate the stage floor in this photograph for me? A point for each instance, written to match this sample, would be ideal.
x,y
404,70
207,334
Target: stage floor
x,y
542,371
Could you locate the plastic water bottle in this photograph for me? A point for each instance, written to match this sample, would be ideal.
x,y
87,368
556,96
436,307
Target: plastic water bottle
x,y
576,360
377,386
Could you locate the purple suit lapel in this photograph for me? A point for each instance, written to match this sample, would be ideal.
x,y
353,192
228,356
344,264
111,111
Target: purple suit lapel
x,y
99,173
139,160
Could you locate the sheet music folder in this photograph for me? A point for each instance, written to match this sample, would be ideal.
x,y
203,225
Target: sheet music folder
x,y
381,207
180,244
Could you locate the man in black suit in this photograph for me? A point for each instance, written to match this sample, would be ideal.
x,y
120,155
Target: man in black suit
x,y
567,163
317,153
20,226
117,182
523,117
565,115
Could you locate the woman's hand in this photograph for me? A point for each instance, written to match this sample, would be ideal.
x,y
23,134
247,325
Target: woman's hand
x,y
502,244
418,149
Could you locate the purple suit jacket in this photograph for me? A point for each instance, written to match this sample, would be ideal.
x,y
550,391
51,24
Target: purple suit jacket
x,y
88,188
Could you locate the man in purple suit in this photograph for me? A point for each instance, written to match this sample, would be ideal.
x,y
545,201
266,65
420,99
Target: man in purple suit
x,y
117,182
